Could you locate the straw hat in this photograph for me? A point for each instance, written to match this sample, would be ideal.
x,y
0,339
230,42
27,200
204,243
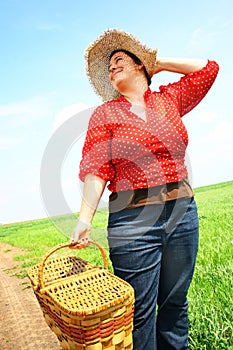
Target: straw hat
x,y
97,59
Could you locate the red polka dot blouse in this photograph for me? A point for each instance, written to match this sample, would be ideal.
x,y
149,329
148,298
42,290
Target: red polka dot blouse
x,y
132,152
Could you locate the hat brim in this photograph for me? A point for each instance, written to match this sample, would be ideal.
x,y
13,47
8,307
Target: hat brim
x,y
97,59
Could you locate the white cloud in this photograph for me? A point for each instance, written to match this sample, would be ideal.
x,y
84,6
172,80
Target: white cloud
x,y
202,40
227,23
9,142
47,26
211,153
67,113
222,133
221,138
20,107
207,116
26,111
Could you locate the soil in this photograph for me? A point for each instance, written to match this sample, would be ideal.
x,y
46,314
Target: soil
x,y
22,325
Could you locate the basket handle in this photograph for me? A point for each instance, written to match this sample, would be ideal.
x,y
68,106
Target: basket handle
x,y
64,245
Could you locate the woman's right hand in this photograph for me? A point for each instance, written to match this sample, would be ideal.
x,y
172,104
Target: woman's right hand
x,y
81,234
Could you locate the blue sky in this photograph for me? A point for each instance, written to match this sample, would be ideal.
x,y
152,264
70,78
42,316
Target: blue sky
x,y
43,83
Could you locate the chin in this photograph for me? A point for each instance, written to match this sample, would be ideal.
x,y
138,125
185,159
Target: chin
x,y
119,84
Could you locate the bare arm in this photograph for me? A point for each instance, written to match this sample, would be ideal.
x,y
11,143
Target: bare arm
x,y
179,65
93,189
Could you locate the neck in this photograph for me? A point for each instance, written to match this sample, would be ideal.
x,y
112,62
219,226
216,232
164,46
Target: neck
x,y
136,96
134,93
137,99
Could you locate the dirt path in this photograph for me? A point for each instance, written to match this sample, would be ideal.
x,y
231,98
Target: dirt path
x,y
22,325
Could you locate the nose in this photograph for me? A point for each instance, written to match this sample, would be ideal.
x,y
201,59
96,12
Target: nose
x,y
112,68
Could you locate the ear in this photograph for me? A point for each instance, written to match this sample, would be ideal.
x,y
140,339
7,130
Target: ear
x,y
140,66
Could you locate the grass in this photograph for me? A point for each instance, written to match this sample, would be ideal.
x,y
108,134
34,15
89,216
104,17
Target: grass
x,y
211,291
36,238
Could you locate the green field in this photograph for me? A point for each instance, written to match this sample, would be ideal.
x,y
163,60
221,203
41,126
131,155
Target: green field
x,y
211,292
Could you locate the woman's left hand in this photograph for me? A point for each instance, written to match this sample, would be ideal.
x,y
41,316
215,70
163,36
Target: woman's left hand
x,y
81,235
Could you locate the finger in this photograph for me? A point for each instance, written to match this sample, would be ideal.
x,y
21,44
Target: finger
x,y
82,243
74,244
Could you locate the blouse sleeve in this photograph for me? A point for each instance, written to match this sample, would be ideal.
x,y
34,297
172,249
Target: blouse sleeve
x,y
192,88
96,152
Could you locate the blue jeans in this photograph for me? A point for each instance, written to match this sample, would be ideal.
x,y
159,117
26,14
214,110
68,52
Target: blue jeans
x,y
154,248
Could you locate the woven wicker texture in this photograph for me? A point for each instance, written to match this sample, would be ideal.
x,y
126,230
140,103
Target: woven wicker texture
x,y
86,306
59,268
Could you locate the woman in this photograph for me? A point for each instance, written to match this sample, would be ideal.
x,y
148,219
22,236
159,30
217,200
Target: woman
x,y
136,143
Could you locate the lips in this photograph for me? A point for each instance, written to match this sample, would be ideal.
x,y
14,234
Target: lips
x,y
116,72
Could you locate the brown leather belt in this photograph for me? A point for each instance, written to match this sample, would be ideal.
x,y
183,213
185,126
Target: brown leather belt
x,y
152,195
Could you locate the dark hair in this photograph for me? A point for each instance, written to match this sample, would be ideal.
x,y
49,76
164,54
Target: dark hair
x,y
135,59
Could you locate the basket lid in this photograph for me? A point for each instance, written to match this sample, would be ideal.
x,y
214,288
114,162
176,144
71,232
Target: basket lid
x,y
88,293
60,268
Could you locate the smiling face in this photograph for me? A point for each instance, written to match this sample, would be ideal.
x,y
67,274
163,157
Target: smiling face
x,y
122,70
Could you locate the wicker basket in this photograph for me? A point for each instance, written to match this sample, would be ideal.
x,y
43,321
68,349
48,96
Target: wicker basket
x,y
86,306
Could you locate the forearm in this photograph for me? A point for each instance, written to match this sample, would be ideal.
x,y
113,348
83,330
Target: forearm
x,y
93,189
179,65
